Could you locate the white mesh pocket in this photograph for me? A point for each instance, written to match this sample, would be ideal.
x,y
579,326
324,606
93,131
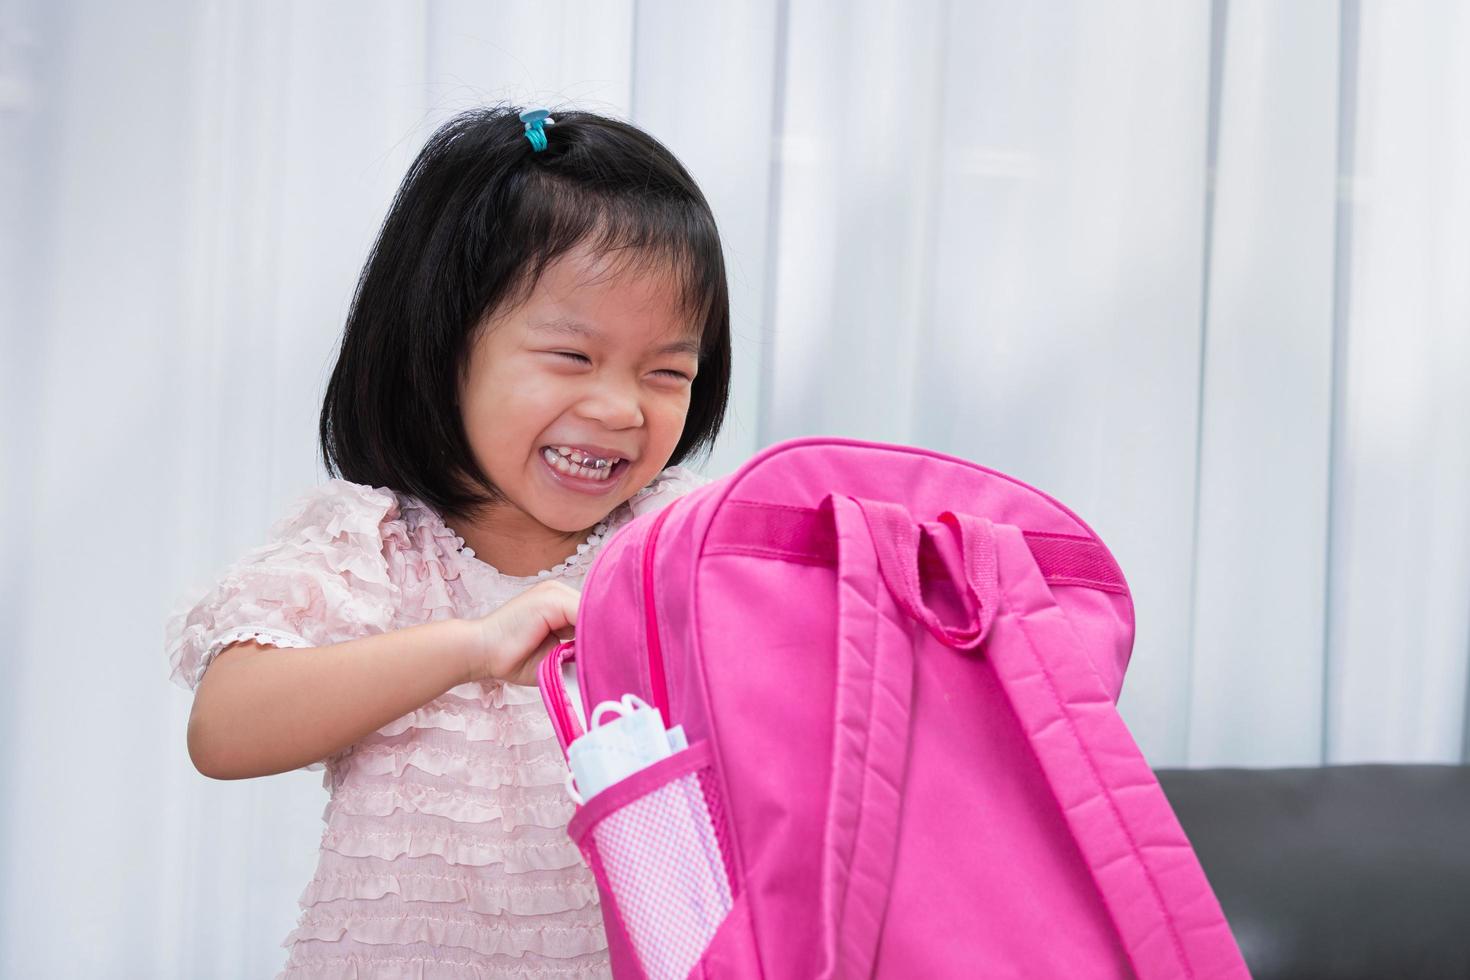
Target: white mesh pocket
x,y
660,858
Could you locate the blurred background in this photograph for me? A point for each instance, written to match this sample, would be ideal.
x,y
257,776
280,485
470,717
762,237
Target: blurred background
x,y
1200,270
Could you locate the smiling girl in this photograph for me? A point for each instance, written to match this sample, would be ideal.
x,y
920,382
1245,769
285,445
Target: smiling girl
x,y
539,339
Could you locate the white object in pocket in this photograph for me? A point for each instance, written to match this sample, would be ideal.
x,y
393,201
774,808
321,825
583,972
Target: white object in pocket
x,y
614,750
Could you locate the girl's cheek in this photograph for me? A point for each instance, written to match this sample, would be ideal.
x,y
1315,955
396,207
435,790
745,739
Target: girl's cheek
x,y
676,408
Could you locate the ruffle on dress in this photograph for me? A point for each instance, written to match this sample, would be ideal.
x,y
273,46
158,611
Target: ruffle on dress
x,y
470,717
504,809
451,842
399,924
447,835
427,962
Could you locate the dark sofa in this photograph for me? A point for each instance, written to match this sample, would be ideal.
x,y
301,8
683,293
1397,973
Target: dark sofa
x,y
1357,872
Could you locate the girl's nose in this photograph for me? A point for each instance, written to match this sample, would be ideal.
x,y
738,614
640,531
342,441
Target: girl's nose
x,y
613,404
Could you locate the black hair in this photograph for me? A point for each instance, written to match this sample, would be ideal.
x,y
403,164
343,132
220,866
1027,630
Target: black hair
x,y
478,217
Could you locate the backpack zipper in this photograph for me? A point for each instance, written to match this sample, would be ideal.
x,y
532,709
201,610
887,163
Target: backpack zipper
x,y
656,680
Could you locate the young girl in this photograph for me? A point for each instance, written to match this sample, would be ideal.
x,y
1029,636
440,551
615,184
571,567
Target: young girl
x,y
539,338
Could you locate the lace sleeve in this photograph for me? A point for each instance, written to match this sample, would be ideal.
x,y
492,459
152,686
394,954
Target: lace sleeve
x,y
321,578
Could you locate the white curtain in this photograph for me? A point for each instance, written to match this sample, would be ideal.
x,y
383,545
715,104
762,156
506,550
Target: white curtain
x,y
1197,269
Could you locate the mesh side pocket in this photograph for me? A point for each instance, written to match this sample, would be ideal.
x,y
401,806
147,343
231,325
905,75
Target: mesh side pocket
x,y
662,861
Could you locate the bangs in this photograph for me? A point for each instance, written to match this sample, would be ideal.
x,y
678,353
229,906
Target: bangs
x,y
664,237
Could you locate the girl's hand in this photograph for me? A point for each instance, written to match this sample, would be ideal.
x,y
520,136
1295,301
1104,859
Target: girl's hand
x,y
515,637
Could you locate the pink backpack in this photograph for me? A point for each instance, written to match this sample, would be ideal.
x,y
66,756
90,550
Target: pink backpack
x,y
897,672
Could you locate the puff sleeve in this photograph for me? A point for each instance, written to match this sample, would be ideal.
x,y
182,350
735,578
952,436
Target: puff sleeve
x,y
320,578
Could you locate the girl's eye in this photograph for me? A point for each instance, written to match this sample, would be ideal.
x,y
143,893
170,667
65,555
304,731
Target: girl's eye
x,y
676,375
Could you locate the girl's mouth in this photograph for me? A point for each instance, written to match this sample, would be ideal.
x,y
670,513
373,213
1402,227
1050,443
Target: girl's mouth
x,y
583,479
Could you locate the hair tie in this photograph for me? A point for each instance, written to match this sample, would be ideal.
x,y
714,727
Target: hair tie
x,y
535,119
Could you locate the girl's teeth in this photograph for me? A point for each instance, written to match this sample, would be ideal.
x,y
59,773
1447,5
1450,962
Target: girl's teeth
x,y
557,460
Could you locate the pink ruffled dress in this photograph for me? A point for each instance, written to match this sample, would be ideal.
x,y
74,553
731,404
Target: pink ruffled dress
x,y
445,851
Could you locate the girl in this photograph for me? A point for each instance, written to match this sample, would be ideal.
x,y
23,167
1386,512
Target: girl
x,y
540,336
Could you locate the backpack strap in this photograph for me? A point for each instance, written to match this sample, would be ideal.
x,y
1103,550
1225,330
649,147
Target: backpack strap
x,y
870,740
1150,879
1167,917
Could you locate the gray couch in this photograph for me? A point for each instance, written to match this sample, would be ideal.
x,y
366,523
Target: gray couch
x,y
1336,873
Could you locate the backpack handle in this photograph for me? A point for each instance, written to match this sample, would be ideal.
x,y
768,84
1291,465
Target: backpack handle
x,y
564,718
898,537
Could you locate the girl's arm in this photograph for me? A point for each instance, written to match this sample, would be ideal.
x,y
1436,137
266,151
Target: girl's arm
x,y
260,710
263,710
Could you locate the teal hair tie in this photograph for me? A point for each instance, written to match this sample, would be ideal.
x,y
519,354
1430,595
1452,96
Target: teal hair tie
x,y
535,120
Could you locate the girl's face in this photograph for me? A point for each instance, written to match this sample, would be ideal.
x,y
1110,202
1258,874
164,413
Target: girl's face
x,y
597,363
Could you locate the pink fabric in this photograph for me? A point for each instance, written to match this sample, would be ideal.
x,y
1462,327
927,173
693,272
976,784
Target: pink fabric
x,y
908,688
444,851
